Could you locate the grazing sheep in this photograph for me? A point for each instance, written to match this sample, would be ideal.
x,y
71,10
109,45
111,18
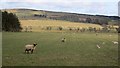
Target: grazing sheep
x,y
63,39
115,42
30,48
103,43
98,46
110,35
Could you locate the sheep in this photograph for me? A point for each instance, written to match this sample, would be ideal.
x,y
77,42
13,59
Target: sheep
x,y
30,48
98,46
110,35
63,39
115,42
103,43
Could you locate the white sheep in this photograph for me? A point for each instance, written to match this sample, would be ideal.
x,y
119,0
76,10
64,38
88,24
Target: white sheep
x,y
103,43
30,48
63,39
98,46
115,42
110,35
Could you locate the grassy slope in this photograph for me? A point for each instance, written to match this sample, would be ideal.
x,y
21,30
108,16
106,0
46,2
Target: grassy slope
x,y
38,24
28,15
24,14
0,49
80,49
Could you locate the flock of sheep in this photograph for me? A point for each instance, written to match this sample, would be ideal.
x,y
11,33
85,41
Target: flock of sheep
x,y
114,42
29,48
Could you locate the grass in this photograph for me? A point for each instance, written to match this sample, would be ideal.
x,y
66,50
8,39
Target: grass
x,y
0,49
23,13
56,23
37,25
79,49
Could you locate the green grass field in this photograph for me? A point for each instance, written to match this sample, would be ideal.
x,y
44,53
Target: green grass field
x,y
79,49
0,49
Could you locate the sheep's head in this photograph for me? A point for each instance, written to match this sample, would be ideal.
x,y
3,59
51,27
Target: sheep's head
x,y
35,44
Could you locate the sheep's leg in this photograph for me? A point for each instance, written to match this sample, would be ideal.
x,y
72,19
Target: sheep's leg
x,y
31,51
25,50
62,40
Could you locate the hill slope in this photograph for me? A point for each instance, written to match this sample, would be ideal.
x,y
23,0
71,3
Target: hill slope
x,y
28,14
41,19
40,25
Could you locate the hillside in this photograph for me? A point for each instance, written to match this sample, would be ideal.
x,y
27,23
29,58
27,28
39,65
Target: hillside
x,y
41,25
38,20
30,14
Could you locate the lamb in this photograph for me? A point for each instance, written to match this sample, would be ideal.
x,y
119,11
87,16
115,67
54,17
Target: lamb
x,y
115,42
30,48
64,39
110,35
103,43
98,46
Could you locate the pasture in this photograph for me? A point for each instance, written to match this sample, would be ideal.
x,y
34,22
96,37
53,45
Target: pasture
x,y
0,49
40,25
78,50
24,13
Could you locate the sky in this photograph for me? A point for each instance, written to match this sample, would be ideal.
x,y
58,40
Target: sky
x,y
98,7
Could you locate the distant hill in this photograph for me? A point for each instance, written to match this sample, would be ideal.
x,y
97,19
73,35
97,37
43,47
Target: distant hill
x,y
31,14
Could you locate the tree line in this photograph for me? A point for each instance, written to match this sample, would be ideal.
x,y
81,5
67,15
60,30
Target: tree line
x,y
10,22
78,19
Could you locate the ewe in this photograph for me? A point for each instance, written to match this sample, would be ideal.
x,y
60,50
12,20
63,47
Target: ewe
x,y
98,46
63,39
115,42
103,43
110,35
30,48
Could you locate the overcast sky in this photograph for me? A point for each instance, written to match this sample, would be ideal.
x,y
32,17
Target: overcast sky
x,y
101,7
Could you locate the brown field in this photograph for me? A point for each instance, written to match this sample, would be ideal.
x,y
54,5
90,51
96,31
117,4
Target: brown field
x,y
37,25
